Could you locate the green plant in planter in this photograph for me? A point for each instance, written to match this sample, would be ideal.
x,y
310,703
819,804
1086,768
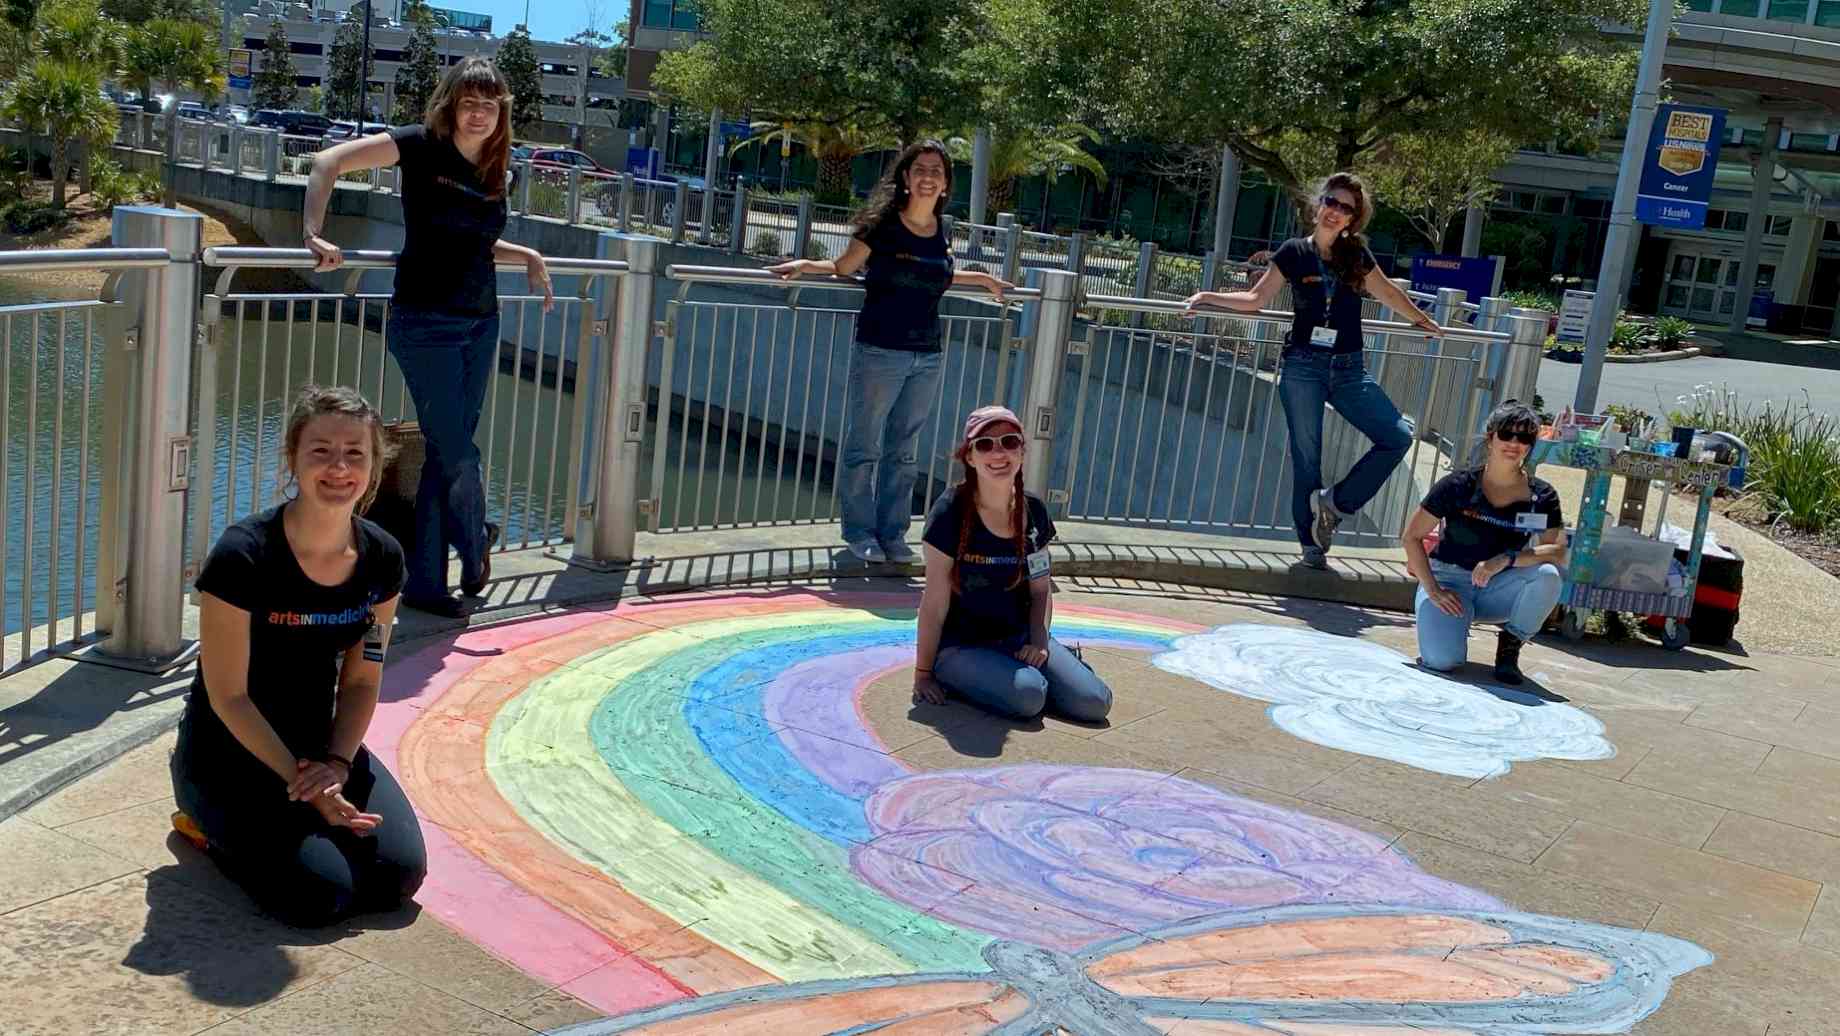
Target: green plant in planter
x,y
766,243
1671,332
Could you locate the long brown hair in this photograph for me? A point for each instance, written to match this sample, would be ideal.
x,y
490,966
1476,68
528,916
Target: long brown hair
x,y
890,194
1348,257
966,497
476,77
314,401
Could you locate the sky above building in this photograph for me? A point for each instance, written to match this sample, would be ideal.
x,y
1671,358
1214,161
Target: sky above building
x,y
549,19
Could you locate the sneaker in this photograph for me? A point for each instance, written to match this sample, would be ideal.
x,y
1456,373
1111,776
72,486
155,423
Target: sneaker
x,y
899,553
474,589
190,831
1322,530
869,552
1508,658
1316,557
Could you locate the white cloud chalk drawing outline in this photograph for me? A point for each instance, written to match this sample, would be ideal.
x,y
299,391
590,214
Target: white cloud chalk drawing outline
x,y
1360,697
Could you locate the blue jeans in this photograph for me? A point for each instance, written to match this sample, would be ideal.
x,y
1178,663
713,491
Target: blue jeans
x,y
891,393
1517,598
991,676
1311,378
447,362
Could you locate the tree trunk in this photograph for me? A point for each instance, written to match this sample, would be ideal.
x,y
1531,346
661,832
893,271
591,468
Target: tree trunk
x,y
60,169
836,184
1000,196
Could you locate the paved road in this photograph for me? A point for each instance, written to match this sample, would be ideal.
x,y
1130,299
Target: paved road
x,y
1640,384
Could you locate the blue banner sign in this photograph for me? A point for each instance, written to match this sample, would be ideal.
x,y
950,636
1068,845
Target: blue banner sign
x,y
642,162
1476,276
1677,170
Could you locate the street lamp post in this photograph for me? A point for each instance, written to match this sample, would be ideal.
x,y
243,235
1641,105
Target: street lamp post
x,y
1619,240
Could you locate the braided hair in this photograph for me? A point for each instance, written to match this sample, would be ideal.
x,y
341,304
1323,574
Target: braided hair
x,y
966,497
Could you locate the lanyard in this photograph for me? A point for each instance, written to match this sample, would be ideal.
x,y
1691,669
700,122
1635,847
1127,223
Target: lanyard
x,y
1330,285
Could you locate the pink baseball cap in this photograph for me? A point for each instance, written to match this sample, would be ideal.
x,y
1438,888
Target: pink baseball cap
x,y
985,416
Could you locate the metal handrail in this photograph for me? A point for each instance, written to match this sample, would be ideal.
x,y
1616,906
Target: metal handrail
x,y
687,274
1130,304
238,257
49,259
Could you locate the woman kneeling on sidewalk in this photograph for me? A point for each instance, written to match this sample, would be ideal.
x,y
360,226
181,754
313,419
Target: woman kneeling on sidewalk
x,y
989,599
1498,559
270,773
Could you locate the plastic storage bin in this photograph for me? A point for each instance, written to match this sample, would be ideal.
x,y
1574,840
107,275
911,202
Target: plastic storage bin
x,y
1628,560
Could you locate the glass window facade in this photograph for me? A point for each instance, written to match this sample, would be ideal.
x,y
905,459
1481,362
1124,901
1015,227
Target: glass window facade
x,y
1789,10
1742,8
1827,14
670,14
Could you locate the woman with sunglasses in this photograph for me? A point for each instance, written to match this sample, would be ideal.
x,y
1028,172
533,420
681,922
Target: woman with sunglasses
x,y
988,600
899,243
1329,272
1498,558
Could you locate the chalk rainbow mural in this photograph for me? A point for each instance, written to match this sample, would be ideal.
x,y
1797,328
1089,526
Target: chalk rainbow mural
x,y
684,814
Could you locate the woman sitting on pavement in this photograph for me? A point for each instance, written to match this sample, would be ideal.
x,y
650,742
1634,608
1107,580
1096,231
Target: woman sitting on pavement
x,y
1498,558
989,599
270,773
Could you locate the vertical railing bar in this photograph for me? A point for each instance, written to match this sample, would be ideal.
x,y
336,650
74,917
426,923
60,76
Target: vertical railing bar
x,y
824,414
313,341
1162,425
236,395
798,457
1194,490
517,378
785,416
402,383
1124,394
1207,402
1175,463
493,376
383,355
56,594
257,494
26,543
702,450
1079,424
555,423
688,345
89,359
536,417
760,461
1258,486
6,417
338,335
728,413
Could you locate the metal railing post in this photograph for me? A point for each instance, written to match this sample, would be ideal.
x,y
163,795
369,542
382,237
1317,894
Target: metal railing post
x,y
801,237
1076,252
609,533
1526,349
1012,248
271,156
707,226
572,214
737,231
679,202
1060,295
1146,270
236,150
524,178
153,469
626,202
143,133
1210,269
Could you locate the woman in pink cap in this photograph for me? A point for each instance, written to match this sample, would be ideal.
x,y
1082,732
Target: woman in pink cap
x,y
984,615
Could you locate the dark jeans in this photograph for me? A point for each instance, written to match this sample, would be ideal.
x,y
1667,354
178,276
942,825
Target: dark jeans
x,y
991,676
1311,378
447,362
890,394
294,865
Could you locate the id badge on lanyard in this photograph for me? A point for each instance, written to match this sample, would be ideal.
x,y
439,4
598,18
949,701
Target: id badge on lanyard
x,y
1323,337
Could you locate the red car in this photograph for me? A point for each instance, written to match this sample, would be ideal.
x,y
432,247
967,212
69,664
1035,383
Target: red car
x,y
559,158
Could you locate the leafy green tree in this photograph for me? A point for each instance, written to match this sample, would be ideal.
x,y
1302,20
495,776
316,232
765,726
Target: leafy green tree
x,y
420,70
176,54
313,99
517,62
1016,152
78,33
276,83
896,66
1302,87
345,72
1430,179
140,12
834,147
22,15
613,58
63,101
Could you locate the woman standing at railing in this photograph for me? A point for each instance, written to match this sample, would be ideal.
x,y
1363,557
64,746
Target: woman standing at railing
x,y
1498,558
989,599
296,603
899,242
1329,271
443,325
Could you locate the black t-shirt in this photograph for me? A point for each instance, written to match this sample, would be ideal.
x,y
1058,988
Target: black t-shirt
x,y
906,275
450,222
987,608
1312,281
298,630
1476,530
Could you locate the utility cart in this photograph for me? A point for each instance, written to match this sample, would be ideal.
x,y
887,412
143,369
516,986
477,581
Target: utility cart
x,y
1669,602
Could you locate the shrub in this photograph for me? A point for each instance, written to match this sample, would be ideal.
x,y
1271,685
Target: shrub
x,y
30,217
109,184
766,243
1794,471
1672,332
814,249
1533,300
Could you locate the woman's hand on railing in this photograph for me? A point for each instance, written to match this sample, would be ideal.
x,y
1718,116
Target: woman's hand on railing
x,y
326,252
1429,326
996,286
1192,305
538,272
790,268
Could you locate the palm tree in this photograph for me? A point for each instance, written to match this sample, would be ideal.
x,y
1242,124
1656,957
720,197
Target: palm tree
x,y
176,54
77,32
835,146
65,102
1020,152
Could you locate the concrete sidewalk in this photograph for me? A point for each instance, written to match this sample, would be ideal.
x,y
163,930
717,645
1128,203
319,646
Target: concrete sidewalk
x,y
1715,821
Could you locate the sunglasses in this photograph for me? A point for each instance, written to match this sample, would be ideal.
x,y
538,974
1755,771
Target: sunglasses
x,y
988,443
1330,201
1523,436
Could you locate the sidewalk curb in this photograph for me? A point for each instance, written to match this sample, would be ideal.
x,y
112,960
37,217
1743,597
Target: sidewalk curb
x,y
1675,354
151,724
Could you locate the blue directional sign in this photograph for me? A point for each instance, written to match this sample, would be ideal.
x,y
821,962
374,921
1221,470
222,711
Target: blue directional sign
x,y
1476,276
1677,170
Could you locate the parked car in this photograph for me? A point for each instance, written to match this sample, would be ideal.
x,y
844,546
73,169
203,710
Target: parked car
x,y
292,121
345,129
194,110
560,158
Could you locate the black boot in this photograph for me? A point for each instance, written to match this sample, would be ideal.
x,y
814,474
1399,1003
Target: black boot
x,y
1508,658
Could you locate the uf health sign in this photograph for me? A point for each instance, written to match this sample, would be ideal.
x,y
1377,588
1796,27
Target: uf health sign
x,y
1475,276
1683,154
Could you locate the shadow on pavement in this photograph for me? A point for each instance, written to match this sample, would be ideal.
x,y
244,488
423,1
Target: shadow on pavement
x,y
78,700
